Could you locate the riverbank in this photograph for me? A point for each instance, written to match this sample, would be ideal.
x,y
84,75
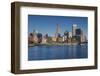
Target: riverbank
x,y
52,44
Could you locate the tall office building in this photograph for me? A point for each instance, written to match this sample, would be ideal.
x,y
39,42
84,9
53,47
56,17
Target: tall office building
x,y
78,32
83,37
65,37
74,27
30,38
35,38
70,35
57,31
44,39
39,36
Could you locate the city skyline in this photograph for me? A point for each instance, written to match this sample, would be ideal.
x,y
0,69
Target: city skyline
x,y
57,37
47,24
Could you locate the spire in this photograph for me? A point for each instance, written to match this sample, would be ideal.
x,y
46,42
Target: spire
x,y
58,28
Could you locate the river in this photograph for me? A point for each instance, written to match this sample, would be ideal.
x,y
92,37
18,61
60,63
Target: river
x,y
57,52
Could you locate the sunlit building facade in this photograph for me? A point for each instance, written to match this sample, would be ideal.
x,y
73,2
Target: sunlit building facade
x,y
75,36
74,27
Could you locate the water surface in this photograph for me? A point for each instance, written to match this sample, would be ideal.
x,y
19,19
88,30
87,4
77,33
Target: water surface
x,y
57,52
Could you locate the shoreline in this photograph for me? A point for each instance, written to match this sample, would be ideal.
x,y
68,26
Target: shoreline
x,y
54,44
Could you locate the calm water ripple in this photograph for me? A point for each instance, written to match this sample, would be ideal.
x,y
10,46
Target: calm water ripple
x,y
58,52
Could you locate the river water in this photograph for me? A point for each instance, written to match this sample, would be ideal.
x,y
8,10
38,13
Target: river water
x,y
57,52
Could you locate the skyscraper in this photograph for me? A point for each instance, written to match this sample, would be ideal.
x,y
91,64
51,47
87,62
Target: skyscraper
x,y
35,39
39,36
57,31
66,35
83,37
74,27
78,32
70,35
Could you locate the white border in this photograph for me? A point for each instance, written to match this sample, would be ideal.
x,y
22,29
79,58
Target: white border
x,y
25,64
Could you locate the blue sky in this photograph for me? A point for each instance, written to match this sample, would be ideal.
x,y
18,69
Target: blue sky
x,y
48,24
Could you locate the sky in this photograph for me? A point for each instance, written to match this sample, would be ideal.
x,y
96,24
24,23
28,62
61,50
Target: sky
x,y
48,24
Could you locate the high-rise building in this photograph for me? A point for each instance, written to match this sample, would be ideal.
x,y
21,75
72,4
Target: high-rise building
x,y
44,39
78,32
83,38
57,31
35,38
65,37
39,36
74,27
30,38
80,36
70,35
